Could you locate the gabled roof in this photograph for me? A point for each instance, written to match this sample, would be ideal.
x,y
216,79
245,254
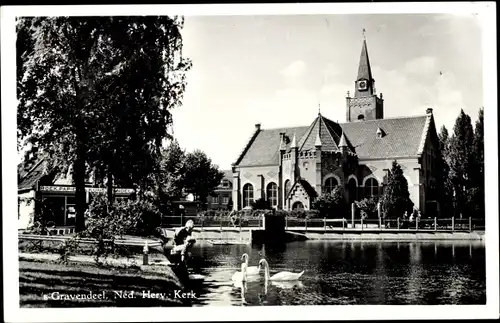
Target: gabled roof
x,y
228,174
264,148
29,179
402,138
327,134
311,192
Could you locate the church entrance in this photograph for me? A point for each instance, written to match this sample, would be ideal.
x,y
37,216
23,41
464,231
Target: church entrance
x,y
298,206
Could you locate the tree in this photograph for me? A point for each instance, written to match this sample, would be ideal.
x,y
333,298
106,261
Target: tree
x,y
96,91
261,204
396,198
201,177
172,166
445,187
476,193
461,161
331,205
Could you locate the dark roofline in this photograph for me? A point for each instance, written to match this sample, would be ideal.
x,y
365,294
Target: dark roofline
x,y
390,118
245,150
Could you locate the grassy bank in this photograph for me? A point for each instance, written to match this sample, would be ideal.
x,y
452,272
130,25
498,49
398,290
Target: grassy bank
x,y
42,282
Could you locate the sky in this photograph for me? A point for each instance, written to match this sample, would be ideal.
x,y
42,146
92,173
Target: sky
x,y
278,70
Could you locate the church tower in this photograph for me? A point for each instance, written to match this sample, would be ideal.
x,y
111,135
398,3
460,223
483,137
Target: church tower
x,y
365,105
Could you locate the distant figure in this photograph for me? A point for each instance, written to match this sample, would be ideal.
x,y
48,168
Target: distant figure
x,y
411,218
183,241
232,217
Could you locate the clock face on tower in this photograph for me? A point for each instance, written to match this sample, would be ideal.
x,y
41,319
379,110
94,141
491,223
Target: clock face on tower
x,y
363,85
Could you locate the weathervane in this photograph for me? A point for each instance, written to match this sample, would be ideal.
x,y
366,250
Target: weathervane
x,y
364,31
319,108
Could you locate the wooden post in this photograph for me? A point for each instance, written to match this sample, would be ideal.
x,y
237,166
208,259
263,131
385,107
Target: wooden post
x,y
470,224
145,255
286,222
343,223
435,224
380,223
416,223
220,224
453,224
361,223
324,221
398,223
305,223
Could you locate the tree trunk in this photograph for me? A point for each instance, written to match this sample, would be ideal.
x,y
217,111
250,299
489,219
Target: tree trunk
x,y
109,184
79,181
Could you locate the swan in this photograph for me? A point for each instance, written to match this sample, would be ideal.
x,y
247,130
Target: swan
x,y
240,275
282,275
251,270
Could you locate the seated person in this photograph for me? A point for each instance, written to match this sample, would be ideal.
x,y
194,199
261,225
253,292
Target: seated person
x,y
183,241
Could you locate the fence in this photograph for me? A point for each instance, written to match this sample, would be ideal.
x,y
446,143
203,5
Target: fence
x,y
449,224
220,221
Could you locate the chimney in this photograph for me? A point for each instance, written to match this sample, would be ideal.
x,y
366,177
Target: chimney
x,y
428,111
257,126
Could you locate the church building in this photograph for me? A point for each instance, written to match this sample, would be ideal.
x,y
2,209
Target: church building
x,y
291,167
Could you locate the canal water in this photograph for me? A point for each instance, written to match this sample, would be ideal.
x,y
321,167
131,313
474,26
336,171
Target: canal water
x,y
375,273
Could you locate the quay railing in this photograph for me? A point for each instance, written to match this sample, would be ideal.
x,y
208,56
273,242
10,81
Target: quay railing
x,y
291,223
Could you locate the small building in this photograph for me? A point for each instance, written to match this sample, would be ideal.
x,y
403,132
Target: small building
x,y
223,193
52,192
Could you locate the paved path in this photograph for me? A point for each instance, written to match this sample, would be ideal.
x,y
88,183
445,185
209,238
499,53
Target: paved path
x,y
119,262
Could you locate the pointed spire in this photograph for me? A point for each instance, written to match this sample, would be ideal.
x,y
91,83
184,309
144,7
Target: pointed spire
x,y
294,142
342,142
282,142
318,141
364,69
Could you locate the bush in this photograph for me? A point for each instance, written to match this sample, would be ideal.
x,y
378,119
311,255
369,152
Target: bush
x,y
331,205
261,204
368,207
214,215
105,221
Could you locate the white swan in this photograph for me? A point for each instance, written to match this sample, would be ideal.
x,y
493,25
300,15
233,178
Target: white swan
x,y
240,275
251,270
282,275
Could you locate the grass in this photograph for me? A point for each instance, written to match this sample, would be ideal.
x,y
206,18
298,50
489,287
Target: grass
x,y
43,278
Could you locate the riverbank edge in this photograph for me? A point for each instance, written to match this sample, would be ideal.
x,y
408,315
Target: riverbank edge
x,y
394,236
154,267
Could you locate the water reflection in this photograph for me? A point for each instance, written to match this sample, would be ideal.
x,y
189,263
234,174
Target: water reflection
x,y
371,272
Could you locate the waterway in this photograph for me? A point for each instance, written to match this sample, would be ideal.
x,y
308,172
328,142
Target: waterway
x,y
344,272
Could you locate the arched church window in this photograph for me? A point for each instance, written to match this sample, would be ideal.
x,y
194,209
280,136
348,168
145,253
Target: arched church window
x,y
371,187
247,194
288,186
330,184
272,194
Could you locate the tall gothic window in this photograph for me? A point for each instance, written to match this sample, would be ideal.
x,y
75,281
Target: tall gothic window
x,y
247,194
272,194
288,186
330,184
371,187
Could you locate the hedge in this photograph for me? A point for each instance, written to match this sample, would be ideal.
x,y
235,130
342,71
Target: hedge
x,y
250,214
